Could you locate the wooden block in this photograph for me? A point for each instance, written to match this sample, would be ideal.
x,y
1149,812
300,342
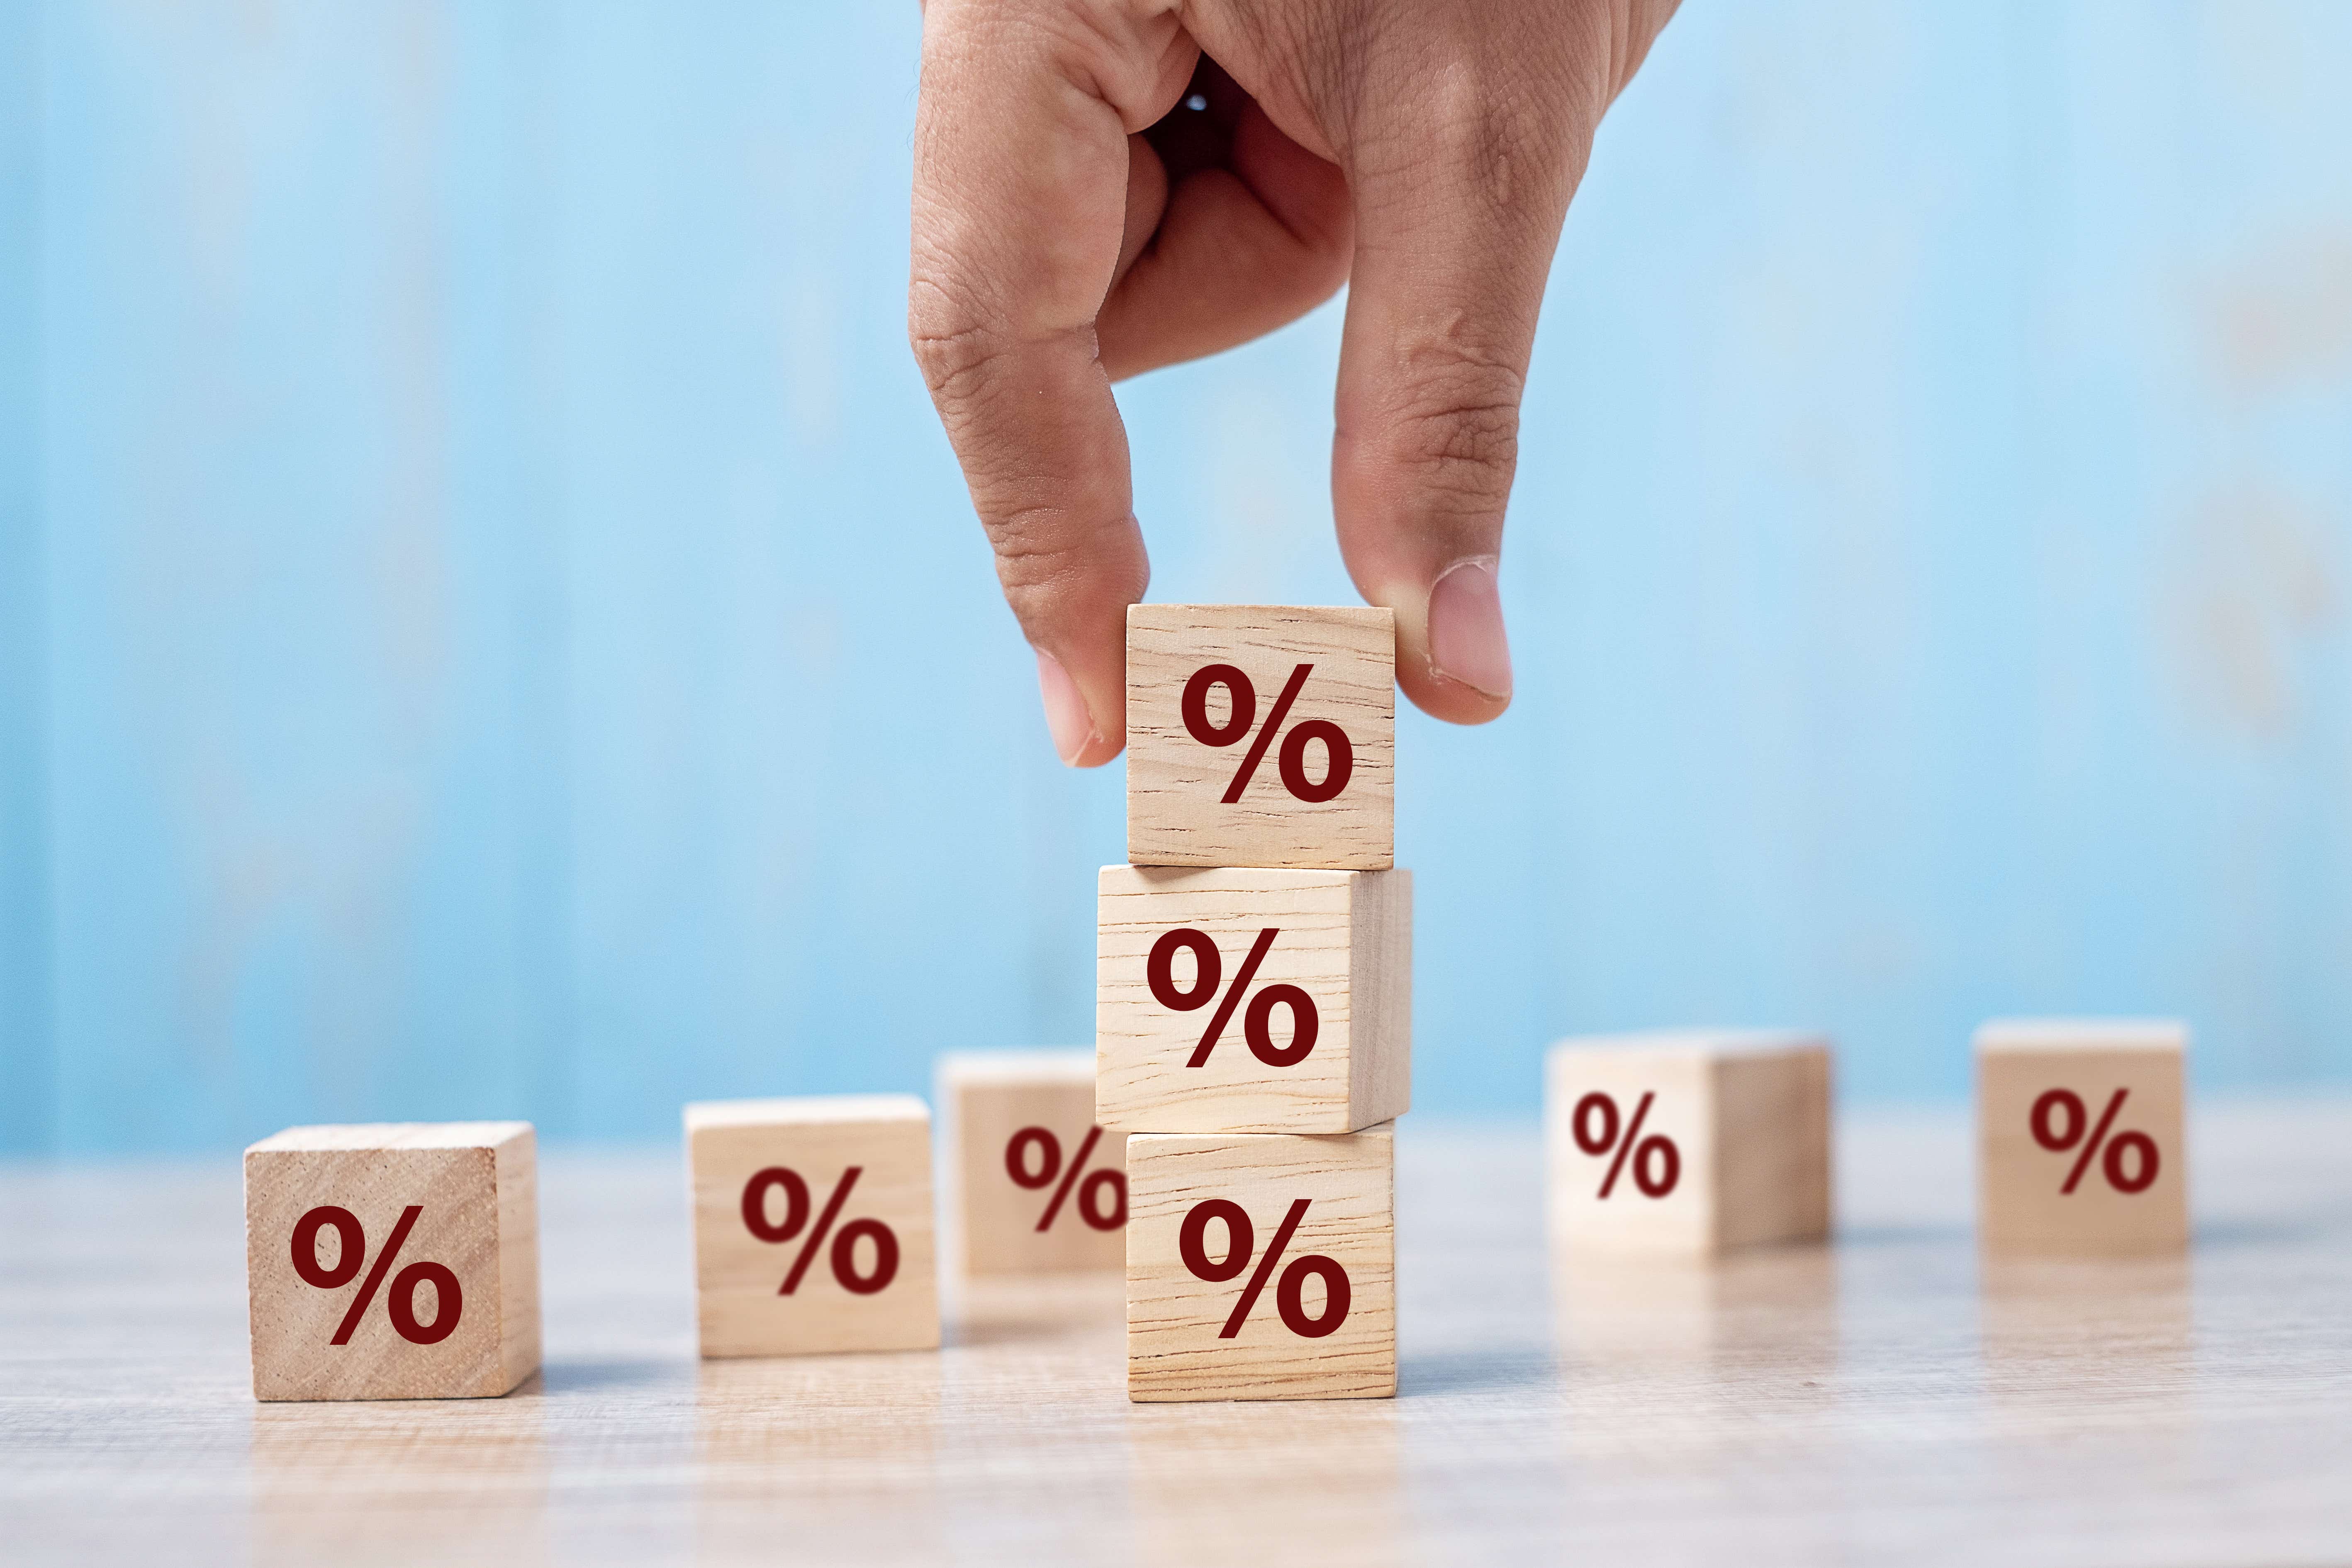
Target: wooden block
x,y
1035,1187
1236,758
2079,1129
813,1224
1268,962
1688,1140
393,1260
1261,1266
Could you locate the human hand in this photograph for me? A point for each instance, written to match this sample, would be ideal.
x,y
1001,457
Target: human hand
x,y
1105,186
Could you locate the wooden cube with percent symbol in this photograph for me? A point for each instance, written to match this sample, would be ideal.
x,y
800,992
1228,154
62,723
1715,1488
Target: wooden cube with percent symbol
x,y
813,1224
393,1260
2079,1135
1252,1001
1261,735
1688,1140
1261,1266
1035,1187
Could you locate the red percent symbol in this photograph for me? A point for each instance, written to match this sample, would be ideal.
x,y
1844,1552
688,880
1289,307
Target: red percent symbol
x,y
2078,1117
448,1301
845,1241
1289,1302
1657,1164
1338,756
1097,1210
1257,1023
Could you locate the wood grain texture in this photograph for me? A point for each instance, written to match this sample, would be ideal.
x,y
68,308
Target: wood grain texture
x,y
475,1186
987,1100
1176,813
741,1307
1898,1398
2024,1204
1747,1114
1344,938
1176,1346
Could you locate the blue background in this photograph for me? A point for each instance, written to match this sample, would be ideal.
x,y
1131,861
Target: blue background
x,y
489,625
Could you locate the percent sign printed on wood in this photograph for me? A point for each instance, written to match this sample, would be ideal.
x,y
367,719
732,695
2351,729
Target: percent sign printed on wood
x,y
447,1299
1036,1187
1033,1161
1262,1266
1290,1291
1257,1023
860,1277
1657,1162
813,1224
2059,1122
1252,1001
1694,1141
2080,1130
1261,735
395,1261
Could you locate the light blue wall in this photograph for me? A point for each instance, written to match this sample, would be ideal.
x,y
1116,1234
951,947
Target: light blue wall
x,y
489,625
27,1086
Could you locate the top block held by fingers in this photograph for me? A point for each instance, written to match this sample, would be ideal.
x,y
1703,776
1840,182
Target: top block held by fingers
x,y
1261,735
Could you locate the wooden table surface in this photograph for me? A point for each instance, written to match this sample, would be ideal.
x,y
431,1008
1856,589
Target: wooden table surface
x,y
1889,1399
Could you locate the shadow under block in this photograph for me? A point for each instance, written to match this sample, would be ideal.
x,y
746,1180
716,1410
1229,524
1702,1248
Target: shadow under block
x,y
420,1238
1207,1233
1716,1139
2092,1104
1035,1187
825,1269
1334,970
1336,739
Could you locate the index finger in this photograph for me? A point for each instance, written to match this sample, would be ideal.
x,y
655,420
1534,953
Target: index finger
x,y
1021,186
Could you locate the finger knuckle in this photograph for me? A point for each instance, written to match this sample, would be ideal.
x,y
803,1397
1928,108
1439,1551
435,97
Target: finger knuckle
x,y
1454,425
956,341
1046,558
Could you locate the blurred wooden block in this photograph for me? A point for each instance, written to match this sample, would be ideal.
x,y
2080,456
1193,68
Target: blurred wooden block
x,y
1688,1140
1035,1187
1261,1266
813,1224
393,1260
2079,1135
1304,978
1261,735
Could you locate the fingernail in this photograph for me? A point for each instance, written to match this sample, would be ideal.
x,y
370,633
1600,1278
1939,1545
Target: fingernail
x,y
1466,642
1066,709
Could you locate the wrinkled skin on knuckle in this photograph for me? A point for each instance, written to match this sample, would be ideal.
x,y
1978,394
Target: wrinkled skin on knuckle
x,y
1031,556
972,358
1451,427
951,338
1045,568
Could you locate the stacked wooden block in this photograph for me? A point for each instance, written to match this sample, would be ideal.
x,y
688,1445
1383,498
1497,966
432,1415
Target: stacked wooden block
x,y
1253,1002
